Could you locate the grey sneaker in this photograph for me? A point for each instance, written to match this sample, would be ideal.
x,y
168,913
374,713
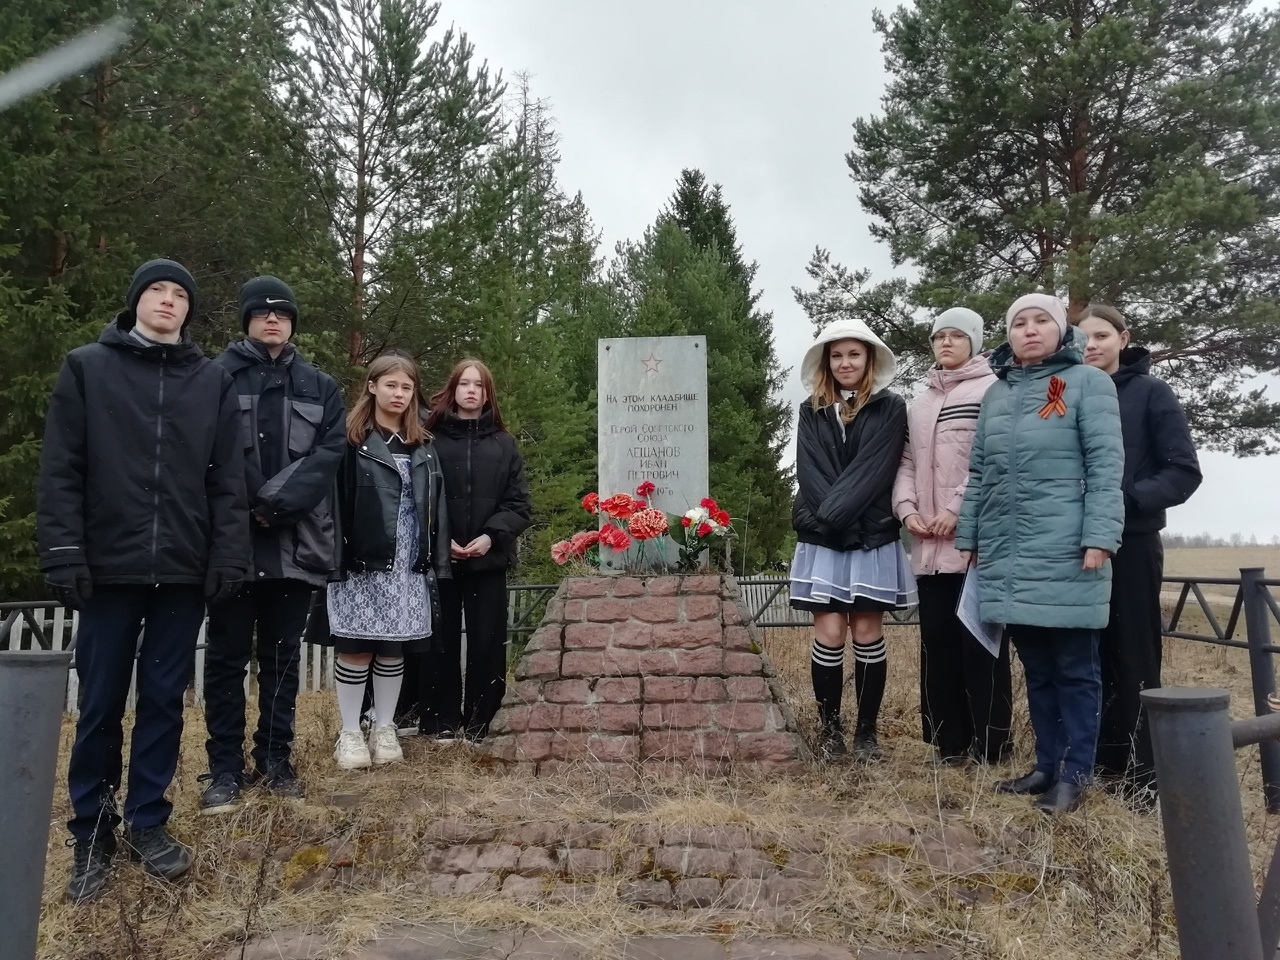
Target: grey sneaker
x,y
90,868
160,854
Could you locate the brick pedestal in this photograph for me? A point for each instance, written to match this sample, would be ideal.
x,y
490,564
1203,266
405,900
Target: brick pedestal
x,y
653,670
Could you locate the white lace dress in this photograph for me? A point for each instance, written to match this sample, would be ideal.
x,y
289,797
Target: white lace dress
x,y
385,608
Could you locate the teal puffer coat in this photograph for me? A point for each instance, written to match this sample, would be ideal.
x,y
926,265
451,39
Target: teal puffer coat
x,y
1044,489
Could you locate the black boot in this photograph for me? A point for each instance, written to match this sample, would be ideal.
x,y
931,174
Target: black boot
x,y
1062,797
280,780
831,746
1033,783
91,867
866,745
222,795
160,854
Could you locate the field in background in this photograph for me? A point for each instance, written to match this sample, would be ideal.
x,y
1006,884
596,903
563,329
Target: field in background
x,y
1221,561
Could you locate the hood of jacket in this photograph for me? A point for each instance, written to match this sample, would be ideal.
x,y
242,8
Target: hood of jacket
x,y
1069,354
971,369
851,329
1134,362
119,337
250,352
453,425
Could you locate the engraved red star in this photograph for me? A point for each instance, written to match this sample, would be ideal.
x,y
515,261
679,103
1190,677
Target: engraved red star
x,y
651,364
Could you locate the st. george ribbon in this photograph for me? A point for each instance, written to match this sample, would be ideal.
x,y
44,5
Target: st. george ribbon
x,y
65,60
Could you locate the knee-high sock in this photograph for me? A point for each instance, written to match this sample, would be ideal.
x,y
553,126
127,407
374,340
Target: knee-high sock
x,y
388,675
828,679
350,679
870,671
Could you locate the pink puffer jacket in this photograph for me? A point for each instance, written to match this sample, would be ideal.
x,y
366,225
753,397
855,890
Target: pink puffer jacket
x,y
935,463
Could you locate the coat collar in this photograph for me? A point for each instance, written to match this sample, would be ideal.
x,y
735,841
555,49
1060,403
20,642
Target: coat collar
x,y
1070,354
971,369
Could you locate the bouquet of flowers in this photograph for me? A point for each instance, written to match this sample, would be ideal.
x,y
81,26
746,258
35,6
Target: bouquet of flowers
x,y
630,519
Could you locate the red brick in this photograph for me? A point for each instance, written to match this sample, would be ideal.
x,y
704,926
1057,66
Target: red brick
x,y
697,892
470,883
768,746
716,746
607,610
627,587
544,716
743,894
701,608
773,719
745,688
588,833
621,663
458,859
567,691
741,716
531,747
555,610
518,719
707,660
687,635
613,749
546,637
779,891
709,690
632,635
739,664
502,747
651,893
657,663
537,861
543,665
569,746
731,612
754,864
580,862
676,716
703,584
618,717
693,861
524,691
501,723
617,690
737,638
573,610
524,888
581,588
663,586
656,609
579,717
586,636
498,857
667,689
582,665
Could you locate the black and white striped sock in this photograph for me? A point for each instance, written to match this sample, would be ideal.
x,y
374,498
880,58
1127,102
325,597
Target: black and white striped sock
x,y
828,678
350,679
388,676
870,673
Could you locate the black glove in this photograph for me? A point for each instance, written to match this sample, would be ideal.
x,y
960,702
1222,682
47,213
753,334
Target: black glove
x,y
71,586
220,585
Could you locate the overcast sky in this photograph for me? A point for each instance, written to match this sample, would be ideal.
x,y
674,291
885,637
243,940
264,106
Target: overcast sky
x,y
760,96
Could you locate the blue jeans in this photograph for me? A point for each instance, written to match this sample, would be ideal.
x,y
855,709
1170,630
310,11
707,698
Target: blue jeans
x,y
105,647
1064,695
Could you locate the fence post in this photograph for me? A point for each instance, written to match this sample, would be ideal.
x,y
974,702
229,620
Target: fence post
x,y
1262,672
33,685
1204,835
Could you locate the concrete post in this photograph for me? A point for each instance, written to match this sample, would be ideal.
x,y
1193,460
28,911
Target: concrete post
x,y
1262,671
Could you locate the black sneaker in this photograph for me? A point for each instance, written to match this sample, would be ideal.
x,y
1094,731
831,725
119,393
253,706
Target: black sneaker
x,y
223,793
280,780
831,746
91,867
866,745
160,854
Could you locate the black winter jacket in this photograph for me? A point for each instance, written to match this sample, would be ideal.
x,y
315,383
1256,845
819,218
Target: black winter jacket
x,y
368,501
142,470
1161,469
293,429
846,482
484,481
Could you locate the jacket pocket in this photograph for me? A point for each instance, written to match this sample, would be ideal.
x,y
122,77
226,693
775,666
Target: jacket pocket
x,y
313,546
304,426
248,422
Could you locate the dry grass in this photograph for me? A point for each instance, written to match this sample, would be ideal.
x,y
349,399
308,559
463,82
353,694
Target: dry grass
x,y
1085,886
1221,561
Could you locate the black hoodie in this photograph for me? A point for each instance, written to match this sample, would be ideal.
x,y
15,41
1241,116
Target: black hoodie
x,y
1160,465
142,468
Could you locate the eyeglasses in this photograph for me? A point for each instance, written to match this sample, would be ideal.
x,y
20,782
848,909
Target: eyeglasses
x,y
948,336
263,314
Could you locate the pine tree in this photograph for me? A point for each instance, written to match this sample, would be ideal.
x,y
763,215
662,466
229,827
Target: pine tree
x,y
1117,150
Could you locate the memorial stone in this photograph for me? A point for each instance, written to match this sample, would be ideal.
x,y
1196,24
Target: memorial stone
x,y
653,424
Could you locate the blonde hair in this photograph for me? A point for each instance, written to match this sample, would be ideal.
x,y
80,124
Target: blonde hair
x,y
827,390
361,418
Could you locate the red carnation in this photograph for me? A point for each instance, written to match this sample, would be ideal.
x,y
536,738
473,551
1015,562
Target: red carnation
x,y
561,552
620,506
686,521
721,517
580,543
646,489
647,524
591,503
708,504
705,529
614,537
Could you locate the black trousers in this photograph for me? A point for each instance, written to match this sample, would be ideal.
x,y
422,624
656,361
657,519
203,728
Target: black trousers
x,y
966,695
277,611
1131,650
106,646
483,597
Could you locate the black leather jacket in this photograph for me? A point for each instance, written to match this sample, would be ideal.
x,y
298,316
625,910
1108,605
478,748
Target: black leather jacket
x,y
368,499
846,479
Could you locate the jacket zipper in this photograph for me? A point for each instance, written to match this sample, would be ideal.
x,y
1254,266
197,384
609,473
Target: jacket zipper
x,y
155,480
470,434
1014,484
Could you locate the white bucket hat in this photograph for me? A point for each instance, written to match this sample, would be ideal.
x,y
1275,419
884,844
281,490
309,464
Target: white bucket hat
x,y
852,329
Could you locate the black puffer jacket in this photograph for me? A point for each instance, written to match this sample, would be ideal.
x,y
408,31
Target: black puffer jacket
x,y
294,433
846,482
1161,469
141,473
484,481
368,500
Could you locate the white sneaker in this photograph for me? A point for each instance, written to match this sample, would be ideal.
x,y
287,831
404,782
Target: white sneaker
x,y
384,745
351,751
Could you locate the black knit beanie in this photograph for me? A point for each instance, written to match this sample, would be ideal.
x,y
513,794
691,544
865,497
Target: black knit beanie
x,y
267,293
151,272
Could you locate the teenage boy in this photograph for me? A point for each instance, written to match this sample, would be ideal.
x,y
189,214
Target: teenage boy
x,y
141,516
294,438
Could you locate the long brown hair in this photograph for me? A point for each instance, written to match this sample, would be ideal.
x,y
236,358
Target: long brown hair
x,y
445,400
1104,311
361,418
827,390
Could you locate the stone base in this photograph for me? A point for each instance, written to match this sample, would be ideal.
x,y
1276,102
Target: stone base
x,y
646,671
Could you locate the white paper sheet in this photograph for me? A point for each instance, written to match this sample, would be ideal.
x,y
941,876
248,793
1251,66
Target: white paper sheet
x,y
987,634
